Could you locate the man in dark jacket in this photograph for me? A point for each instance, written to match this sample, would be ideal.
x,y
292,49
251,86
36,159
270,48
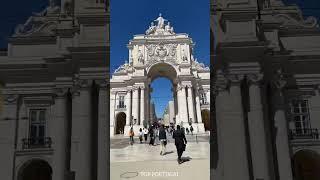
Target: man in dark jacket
x,y
163,139
180,142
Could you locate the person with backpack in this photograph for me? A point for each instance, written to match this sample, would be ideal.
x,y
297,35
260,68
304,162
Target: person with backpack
x,y
131,135
163,139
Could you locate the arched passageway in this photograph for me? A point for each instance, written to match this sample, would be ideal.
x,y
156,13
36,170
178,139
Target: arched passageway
x,y
306,165
120,122
35,170
205,114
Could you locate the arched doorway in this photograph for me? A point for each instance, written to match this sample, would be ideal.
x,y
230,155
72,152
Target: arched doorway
x,y
120,122
35,170
205,114
161,94
306,165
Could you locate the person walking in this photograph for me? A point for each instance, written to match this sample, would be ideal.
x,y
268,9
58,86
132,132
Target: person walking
x,y
180,142
145,132
191,130
131,134
140,135
151,132
187,130
163,139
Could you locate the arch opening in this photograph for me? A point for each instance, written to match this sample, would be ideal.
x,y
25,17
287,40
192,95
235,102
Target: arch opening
x,y
120,123
205,114
306,165
162,95
35,170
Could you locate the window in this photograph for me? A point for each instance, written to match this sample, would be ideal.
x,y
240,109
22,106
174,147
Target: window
x,y
203,99
300,116
37,126
121,102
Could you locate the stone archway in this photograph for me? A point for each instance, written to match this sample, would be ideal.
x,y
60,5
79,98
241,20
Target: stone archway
x,y
120,123
306,165
35,170
160,53
205,114
162,70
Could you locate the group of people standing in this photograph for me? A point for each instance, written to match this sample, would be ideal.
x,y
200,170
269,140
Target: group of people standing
x,y
178,135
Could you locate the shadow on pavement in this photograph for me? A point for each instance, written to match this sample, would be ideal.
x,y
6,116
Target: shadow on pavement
x,y
169,152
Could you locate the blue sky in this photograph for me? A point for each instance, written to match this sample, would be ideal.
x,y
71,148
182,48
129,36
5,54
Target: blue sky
x,y
186,16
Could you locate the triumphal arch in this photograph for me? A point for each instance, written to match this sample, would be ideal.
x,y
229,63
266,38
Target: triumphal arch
x,y
159,52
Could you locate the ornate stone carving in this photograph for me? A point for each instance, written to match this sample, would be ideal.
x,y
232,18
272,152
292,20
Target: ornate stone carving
x,y
184,56
161,28
161,51
199,66
254,78
10,99
140,57
40,22
235,78
288,21
279,80
60,92
123,68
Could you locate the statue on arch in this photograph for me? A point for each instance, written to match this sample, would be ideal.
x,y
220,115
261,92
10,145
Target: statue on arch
x,y
161,21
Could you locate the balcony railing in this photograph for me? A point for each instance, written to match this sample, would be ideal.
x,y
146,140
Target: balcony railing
x,y
39,142
204,103
304,134
121,106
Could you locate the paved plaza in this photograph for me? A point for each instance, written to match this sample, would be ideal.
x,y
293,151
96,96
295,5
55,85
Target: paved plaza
x,y
143,162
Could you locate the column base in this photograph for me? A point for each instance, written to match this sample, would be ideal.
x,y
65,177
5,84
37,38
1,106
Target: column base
x,y
199,128
111,131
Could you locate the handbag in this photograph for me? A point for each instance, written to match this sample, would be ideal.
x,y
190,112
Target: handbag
x,y
165,142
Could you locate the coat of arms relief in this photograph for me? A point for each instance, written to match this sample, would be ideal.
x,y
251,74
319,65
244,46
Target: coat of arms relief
x,y
161,52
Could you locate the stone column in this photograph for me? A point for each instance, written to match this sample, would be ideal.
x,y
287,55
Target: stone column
x,y
112,111
182,104
281,125
135,104
208,96
191,104
257,130
102,133
233,163
59,135
128,101
81,132
142,105
7,138
198,109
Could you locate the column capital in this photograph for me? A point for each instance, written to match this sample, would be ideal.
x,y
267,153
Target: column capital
x,y
103,83
60,92
181,86
10,99
254,78
235,79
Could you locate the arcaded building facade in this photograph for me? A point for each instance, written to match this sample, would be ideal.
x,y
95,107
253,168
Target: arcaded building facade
x,y
266,59
53,76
